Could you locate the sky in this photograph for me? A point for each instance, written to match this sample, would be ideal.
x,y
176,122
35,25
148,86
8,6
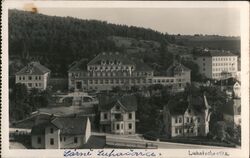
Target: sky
x,y
188,21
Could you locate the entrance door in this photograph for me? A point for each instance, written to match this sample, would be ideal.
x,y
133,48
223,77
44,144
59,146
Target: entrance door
x,y
78,85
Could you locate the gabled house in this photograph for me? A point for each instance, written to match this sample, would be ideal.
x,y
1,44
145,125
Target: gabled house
x,y
61,133
34,75
118,114
188,117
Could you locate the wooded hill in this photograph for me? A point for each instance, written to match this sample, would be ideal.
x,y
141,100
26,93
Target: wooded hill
x,y
58,41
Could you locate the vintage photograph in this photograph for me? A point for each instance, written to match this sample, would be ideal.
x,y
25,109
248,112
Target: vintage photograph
x,y
124,78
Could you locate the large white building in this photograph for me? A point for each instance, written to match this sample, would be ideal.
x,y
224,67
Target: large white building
x,y
109,70
217,64
34,75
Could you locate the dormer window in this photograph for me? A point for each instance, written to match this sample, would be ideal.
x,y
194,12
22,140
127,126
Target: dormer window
x,y
117,107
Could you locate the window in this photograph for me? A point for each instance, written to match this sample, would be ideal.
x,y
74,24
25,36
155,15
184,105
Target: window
x,y
105,116
36,77
191,120
64,139
198,129
130,115
75,140
23,78
117,107
204,59
60,139
176,120
20,78
198,119
187,119
38,140
117,126
180,120
51,130
51,141
176,130
130,126
30,77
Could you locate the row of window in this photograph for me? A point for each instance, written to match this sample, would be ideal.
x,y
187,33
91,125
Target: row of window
x,y
112,74
113,81
111,62
224,58
179,130
224,69
223,64
120,126
105,115
29,78
39,140
31,85
110,67
188,120
163,80
220,75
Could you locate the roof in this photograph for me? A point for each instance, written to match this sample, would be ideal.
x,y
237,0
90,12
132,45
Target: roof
x,y
79,65
176,67
110,56
213,53
129,102
68,125
33,68
196,103
71,125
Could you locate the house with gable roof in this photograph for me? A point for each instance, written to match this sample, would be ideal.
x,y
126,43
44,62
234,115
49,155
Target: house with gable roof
x,y
34,75
61,133
118,114
187,118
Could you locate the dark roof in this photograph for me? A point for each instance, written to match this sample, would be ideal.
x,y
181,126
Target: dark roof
x,y
177,107
196,103
129,102
211,53
79,65
33,68
70,125
176,67
67,125
110,56
39,129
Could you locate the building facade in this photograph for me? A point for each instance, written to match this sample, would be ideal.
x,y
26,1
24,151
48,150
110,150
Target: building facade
x,y
109,70
215,64
118,115
61,133
187,118
34,75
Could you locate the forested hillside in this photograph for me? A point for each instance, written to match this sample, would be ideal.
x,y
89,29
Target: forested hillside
x,y
58,41
61,40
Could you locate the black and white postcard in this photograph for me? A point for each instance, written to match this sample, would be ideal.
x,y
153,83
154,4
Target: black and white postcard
x,y
125,79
